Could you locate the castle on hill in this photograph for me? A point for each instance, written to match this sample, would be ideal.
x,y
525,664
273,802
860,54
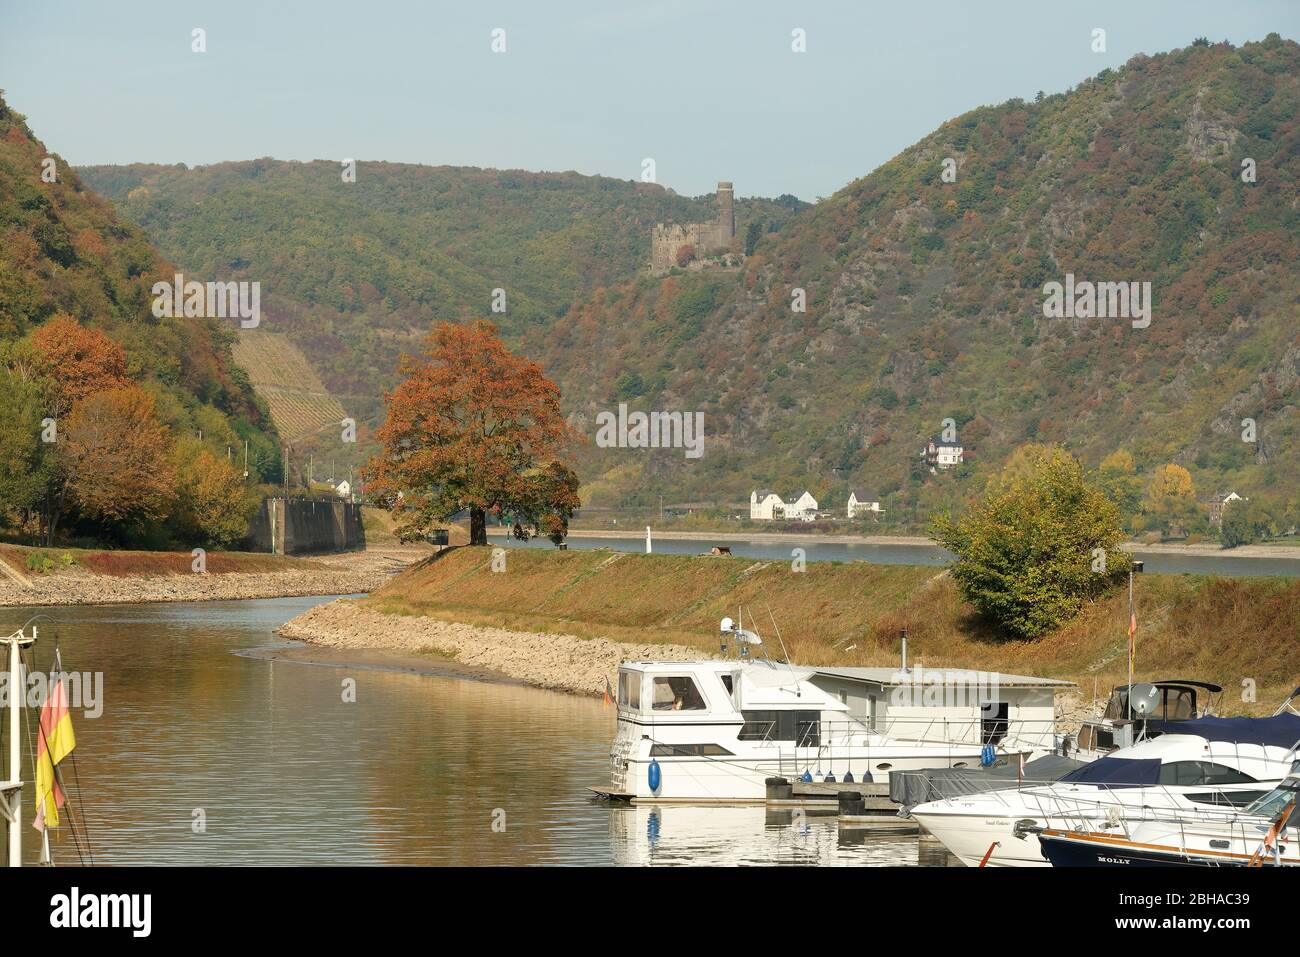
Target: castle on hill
x,y
672,244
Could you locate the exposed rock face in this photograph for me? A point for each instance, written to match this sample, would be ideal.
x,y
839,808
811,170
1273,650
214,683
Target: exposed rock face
x,y
1208,138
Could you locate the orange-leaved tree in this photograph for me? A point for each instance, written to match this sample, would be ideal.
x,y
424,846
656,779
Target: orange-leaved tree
x,y
472,426
77,361
114,459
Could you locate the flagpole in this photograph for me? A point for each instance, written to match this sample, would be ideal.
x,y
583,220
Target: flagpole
x,y
13,792
1132,636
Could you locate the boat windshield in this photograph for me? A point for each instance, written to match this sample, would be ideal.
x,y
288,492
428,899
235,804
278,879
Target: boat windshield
x,y
1271,804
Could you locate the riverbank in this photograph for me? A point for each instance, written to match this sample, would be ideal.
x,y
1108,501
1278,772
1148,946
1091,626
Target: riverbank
x,y
554,660
706,538
564,619
88,577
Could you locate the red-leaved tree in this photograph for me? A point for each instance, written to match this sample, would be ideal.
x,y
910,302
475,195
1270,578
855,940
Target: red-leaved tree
x,y
472,426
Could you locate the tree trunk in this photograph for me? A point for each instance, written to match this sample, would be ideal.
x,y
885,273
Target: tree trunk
x,y
477,526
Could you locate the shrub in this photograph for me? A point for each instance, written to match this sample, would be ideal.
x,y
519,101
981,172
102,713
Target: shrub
x,y
40,562
1041,542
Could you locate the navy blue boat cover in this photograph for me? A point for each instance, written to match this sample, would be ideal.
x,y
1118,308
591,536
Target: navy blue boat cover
x,y
1119,772
1280,731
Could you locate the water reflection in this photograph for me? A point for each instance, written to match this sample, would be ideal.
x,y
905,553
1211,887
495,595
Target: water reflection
x,y
205,756
672,835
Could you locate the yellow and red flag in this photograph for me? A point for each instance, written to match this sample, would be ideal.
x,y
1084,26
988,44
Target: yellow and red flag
x,y
56,743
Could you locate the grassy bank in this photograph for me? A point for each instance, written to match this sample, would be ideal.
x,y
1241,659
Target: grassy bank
x,y
120,563
1223,630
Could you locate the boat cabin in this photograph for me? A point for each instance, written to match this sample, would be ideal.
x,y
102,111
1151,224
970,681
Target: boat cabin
x,y
949,704
1130,707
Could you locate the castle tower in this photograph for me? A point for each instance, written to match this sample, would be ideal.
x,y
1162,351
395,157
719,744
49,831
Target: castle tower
x,y
726,212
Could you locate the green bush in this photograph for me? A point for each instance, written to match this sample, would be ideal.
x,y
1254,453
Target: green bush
x,y
1041,542
1243,524
40,562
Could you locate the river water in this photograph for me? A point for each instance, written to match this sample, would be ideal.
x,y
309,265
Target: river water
x,y
205,756
1165,563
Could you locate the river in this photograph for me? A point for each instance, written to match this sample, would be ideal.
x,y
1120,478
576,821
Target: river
x,y
1156,562
203,755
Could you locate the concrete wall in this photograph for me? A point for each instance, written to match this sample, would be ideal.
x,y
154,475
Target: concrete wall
x,y
307,525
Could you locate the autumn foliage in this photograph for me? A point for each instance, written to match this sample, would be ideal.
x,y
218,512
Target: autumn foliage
x,y
114,456
77,360
472,426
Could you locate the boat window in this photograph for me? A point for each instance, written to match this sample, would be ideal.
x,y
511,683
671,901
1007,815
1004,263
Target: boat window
x,y
801,727
1271,804
677,694
1180,704
1201,772
687,750
629,690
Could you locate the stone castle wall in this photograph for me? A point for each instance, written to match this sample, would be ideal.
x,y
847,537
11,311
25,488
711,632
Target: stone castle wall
x,y
708,239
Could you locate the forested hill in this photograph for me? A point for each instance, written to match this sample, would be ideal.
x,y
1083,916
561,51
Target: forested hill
x,y
925,302
65,253
356,272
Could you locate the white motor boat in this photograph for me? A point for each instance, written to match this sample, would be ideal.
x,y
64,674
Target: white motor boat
x,y
1131,708
1265,833
714,731
1210,762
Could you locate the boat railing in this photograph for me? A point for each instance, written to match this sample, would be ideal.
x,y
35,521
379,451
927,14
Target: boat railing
x,y
841,743
1113,806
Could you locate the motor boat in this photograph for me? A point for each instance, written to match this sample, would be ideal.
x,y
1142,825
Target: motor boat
x,y
1132,710
1209,762
714,731
1264,833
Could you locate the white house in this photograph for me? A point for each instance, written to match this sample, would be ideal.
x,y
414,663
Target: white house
x,y
343,489
765,505
862,502
942,454
802,508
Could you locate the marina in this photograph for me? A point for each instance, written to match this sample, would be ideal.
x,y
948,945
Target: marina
x,y
411,773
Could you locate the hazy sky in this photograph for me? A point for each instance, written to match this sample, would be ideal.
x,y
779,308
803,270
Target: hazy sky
x,y
709,90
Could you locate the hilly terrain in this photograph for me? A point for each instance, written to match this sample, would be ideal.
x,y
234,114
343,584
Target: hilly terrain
x,y
354,273
925,302
64,252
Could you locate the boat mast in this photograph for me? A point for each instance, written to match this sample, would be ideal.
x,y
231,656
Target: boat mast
x,y
13,787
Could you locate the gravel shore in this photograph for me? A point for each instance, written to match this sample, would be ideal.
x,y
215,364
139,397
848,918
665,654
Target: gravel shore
x,y
547,660
89,589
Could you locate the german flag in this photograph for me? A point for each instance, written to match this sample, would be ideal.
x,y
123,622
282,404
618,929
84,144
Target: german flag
x,y
56,743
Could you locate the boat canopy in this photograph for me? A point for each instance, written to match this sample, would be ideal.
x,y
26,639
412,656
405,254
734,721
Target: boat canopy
x,y
1117,772
1279,731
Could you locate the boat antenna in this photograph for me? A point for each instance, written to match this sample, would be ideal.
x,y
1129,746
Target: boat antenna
x,y
784,654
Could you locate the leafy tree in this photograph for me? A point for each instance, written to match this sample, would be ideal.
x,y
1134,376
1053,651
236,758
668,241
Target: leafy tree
x,y
25,460
1118,478
1028,554
1171,497
113,457
1243,523
213,506
77,361
472,426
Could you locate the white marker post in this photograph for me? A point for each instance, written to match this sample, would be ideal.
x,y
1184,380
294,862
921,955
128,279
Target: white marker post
x,y
11,791
647,539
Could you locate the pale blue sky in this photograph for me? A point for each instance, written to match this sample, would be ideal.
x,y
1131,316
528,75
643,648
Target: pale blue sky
x,y
710,90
